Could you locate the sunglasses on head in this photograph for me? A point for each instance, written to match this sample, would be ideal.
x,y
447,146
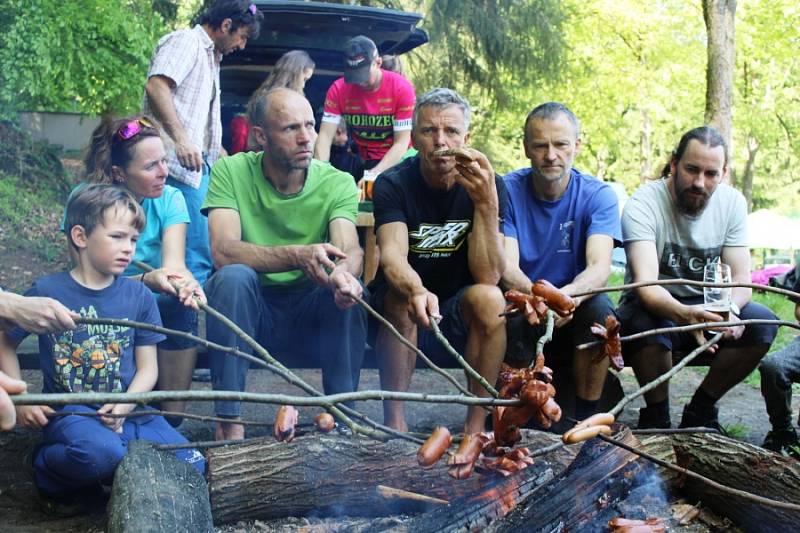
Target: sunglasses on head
x,y
133,128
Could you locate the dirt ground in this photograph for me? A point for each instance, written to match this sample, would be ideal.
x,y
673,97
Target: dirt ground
x,y
742,408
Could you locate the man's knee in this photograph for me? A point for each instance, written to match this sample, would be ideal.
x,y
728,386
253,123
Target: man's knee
x,y
231,280
482,304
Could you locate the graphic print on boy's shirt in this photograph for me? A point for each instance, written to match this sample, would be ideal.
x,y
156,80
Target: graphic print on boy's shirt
x,y
88,359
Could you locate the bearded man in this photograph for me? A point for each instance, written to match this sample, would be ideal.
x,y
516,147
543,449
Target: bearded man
x,y
671,229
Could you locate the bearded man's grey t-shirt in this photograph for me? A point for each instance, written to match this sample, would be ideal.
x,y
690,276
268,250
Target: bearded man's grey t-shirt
x,y
684,243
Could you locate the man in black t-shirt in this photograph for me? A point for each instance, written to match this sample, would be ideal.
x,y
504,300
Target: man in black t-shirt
x,y
438,224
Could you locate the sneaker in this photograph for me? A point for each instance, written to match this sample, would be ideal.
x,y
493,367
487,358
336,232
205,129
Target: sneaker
x,y
783,441
650,418
697,419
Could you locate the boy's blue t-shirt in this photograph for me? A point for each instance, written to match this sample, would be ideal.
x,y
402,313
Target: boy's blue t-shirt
x,y
161,213
97,358
552,235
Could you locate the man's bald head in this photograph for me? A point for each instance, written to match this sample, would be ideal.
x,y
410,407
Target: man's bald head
x,y
267,104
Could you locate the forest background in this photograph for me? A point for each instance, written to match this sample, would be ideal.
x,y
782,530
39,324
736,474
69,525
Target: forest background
x,y
634,72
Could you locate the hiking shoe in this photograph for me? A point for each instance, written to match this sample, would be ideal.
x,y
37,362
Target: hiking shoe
x,y
650,418
783,441
696,419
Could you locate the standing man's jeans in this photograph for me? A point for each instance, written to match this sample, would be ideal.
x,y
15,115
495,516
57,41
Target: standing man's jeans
x,y
287,322
198,250
778,372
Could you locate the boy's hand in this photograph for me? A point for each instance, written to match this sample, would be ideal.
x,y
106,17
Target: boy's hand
x,y
33,416
8,415
115,423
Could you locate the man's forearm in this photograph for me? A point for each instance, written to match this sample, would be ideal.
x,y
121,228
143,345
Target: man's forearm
x,y
402,277
487,260
390,158
658,301
593,277
515,278
160,97
259,258
322,148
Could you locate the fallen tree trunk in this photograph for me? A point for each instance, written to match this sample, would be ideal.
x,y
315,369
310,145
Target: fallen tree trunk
x,y
155,491
601,475
330,475
745,467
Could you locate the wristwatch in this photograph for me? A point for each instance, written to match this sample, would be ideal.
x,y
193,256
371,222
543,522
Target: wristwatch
x,y
735,309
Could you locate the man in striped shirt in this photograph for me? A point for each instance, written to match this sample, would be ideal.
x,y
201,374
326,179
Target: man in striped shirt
x,y
183,93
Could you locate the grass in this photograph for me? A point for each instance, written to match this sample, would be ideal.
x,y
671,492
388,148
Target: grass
x,y
737,431
780,305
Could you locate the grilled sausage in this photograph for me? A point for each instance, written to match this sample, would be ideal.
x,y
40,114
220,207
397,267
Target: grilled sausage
x,y
433,448
324,422
561,303
575,436
285,421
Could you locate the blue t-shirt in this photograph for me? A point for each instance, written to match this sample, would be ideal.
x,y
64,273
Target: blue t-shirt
x,y
97,358
161,213
552,235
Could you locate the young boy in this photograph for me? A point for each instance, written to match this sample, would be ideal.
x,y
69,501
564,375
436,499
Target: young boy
x,y
78,453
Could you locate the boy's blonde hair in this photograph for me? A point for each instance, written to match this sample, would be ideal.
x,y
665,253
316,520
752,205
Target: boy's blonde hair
x,y
88,204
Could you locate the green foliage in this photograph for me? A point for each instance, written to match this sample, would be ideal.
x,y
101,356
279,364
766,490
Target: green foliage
x,y
86,55
737,431
33,188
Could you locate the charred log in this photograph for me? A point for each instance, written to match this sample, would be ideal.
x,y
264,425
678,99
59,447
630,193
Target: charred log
x,y
601,475
155,491
329,475
745,467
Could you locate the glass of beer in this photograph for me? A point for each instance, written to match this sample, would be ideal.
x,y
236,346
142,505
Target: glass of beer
x,y
717,299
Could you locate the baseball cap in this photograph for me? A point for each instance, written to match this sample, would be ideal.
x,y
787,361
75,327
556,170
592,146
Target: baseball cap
x,y
359,53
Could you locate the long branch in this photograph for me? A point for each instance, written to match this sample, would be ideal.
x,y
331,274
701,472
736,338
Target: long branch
x,y
264,354
154,412
388,325
692,283
547,337
664,377
693,327
461,361
143,398
280,371
694,475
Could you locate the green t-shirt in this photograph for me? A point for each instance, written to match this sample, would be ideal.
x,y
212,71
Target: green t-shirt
x,y
270,218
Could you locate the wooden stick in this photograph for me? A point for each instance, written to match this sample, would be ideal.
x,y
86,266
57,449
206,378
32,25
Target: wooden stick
x,y
461,361
388,325
665,376
264,354
693,327
724,488
391,493
547,337
156,412
143,398
692,283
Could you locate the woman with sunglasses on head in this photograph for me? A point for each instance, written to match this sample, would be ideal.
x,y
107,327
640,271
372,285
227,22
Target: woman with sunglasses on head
x,y
129,152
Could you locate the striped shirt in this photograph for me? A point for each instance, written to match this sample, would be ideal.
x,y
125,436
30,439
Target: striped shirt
x,y
188,58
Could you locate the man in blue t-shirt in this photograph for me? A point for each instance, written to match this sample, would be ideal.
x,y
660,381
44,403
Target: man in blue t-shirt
x,y
562,226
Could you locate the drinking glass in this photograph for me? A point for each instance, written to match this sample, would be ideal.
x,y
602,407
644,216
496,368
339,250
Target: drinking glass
x,y
717,299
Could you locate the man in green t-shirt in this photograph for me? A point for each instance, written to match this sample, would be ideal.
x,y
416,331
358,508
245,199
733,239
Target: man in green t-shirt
x,y
284,242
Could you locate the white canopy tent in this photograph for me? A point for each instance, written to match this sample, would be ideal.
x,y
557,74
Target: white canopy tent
x,y
767,229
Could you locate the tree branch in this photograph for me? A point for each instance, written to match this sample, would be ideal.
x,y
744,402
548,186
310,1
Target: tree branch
x,y
461,361
665,376
692,283
693,327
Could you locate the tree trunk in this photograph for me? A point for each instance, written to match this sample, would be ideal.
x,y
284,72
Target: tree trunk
x,y
329,475
747,176
745,467
645,150
155,491
719,17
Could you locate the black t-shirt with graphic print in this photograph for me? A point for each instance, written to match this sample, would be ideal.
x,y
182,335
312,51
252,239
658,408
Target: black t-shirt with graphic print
x,y
438,222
